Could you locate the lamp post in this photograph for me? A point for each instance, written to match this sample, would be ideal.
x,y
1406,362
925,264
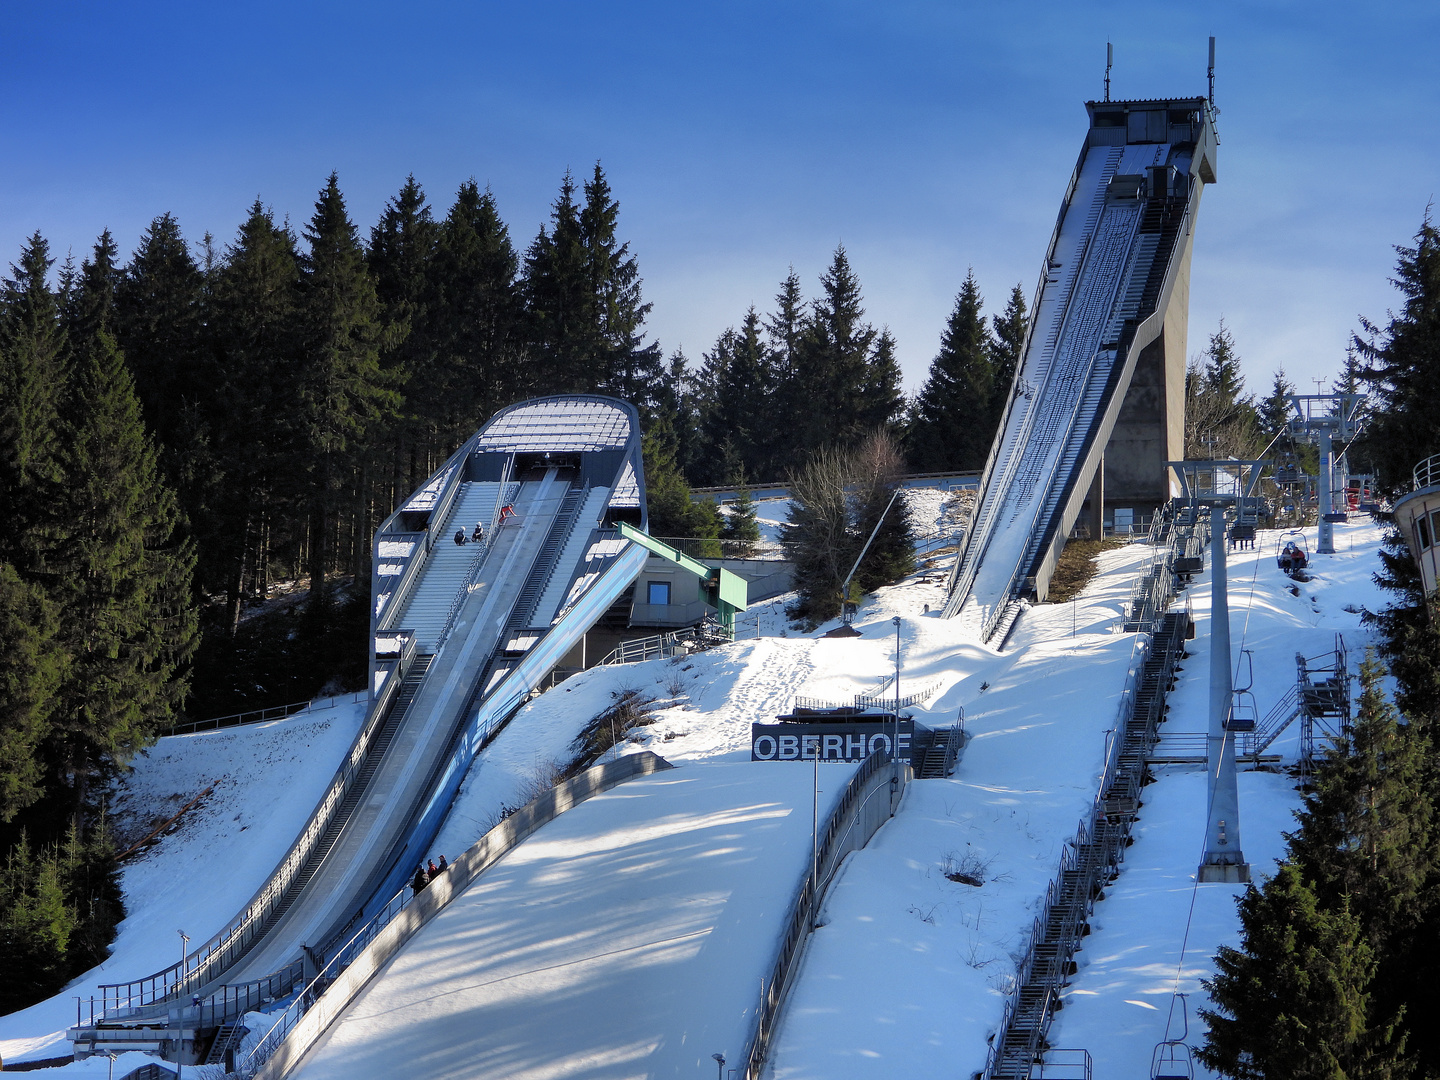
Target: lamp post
x,y
719,1066
895,746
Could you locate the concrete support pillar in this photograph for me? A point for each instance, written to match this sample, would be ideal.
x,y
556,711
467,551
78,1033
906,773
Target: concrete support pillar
x,y
1326,543
1223,860
1095,520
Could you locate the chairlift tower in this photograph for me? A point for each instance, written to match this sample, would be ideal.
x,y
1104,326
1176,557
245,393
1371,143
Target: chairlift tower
x,y
1227,489
1321,419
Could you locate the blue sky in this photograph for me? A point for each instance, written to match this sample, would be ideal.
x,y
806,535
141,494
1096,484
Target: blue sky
x,y
744,138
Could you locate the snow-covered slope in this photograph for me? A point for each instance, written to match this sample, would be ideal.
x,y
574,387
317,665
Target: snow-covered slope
x,y
267,778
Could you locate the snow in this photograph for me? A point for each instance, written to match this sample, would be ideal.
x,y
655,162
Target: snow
x,y
628,937
909,974
620,941
267,779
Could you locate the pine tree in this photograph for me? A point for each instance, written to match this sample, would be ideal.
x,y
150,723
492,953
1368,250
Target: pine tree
x,y
124,582
1409,636
29,679
343,395
951,424
33,372
678,405
1294,1000
1402,365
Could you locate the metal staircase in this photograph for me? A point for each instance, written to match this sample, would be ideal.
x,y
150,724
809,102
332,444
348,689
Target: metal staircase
x,y
1089,862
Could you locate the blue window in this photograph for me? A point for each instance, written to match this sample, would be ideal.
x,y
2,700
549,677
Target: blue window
x,y
657,592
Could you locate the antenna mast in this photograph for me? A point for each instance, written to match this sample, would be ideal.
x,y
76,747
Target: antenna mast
x,y
1210,73
1110,60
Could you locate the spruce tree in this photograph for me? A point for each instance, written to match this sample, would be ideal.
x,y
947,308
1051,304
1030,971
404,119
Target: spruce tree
x,y
671,510
817,536
34,666
882,401
1402,365
401,260
879,499
784,332
1005,353
127,619
738,385
343,395
477,323
625,366
1276,410
1367,828
559,305
33,373
831,363
253,415
159,322
92,299
741,530
1295,999
951,424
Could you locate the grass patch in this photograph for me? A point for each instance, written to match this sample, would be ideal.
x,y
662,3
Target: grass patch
x,y
1076,567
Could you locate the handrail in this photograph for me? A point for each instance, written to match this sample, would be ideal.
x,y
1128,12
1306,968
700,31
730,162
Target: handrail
x,y
1427,472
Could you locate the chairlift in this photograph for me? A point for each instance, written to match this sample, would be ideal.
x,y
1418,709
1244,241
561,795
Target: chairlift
x,y
1292,552
1242,712
1171,1059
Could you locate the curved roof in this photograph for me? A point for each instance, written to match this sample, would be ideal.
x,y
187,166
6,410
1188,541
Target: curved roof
x,y
560,424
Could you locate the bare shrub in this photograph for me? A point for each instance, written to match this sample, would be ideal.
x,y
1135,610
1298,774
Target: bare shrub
x,y
967,868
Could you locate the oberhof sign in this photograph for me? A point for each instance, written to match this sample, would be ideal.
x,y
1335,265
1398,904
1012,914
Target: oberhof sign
x,y
851,741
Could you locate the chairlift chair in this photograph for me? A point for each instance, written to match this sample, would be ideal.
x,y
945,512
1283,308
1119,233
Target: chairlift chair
x,y
1292,552
1171,1059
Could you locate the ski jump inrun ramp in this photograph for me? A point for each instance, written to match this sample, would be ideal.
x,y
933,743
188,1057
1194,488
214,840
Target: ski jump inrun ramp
x,y
1097,407
461,635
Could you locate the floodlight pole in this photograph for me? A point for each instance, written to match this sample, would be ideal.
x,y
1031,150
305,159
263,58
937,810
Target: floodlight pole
x,y
1223,859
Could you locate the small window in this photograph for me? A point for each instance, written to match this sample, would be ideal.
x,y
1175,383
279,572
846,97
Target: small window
x,y
1422,532
657,592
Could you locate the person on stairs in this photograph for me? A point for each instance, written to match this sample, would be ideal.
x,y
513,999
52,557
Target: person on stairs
x,y
479,534
459,537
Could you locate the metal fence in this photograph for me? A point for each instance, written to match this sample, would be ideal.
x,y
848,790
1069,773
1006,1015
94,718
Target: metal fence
x,y
260,716
868,802
231,943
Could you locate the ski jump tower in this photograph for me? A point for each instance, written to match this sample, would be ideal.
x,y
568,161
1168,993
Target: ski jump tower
x,y
1097,408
